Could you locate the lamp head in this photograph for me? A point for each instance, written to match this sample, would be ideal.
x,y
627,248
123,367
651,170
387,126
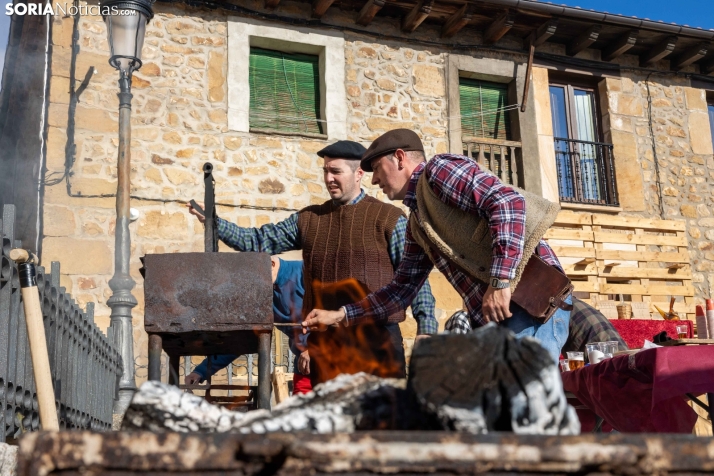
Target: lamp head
x,y
126,26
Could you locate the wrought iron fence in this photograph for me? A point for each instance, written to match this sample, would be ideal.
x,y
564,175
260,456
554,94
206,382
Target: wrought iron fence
x,y
500,157
586,172
85,364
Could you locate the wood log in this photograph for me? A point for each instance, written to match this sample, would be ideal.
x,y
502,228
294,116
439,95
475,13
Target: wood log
x,y
487,381
120,453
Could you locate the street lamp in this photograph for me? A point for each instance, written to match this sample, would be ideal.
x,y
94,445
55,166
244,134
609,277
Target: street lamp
x,y
126,25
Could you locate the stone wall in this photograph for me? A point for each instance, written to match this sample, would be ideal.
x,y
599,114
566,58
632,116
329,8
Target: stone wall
x,y
178,123
683,145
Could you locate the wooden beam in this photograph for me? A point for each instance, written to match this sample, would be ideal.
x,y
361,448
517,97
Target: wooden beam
x,y
664,48
707,67
369,10
417,15
587,38
457,21
271,3
319,7
619,47
545,31
499,27
695,53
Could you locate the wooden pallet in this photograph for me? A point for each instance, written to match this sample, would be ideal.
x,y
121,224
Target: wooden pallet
x,y
645,260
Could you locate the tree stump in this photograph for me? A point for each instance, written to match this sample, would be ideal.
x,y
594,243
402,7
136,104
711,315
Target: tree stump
x,y
488,381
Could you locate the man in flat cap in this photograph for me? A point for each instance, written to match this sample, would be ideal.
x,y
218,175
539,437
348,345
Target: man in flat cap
x,y
480,221
351,245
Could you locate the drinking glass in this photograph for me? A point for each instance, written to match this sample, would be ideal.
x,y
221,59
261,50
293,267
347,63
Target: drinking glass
x,y
681,332
576,360
564,365
595,355
608,349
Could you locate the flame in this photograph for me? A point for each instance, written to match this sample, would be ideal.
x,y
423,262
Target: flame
x,y
348,350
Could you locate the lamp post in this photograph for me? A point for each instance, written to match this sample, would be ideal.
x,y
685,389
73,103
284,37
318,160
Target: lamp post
x,y
126,25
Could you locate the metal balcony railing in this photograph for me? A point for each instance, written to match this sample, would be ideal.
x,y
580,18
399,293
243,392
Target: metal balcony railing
x,y
494,155
586,172
85,364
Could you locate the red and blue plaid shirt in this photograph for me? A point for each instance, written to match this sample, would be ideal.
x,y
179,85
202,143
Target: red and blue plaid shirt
x,y
459,182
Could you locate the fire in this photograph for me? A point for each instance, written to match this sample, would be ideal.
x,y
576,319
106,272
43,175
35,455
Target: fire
x,y
348,350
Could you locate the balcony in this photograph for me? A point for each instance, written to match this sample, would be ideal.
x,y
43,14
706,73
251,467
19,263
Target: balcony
x,y
495,156
586,172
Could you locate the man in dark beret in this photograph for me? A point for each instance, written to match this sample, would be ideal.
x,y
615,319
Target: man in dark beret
x,y
451,199
351,246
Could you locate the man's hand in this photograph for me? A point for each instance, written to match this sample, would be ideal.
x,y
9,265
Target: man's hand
x,y
421,337
304,363
192,378
196,213
319,320
495,306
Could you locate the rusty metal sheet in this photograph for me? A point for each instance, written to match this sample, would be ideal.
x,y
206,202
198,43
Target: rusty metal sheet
x,y
207,292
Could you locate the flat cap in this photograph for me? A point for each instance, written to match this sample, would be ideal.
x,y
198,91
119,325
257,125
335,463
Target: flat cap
x,y
388,142
343,149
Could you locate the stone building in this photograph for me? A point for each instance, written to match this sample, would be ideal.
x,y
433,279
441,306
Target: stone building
x,y
614,117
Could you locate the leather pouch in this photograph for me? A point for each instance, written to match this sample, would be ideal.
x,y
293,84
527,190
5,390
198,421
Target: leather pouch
x,y
542,290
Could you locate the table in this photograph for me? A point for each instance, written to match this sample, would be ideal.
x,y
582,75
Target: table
x,y
635,331
646,391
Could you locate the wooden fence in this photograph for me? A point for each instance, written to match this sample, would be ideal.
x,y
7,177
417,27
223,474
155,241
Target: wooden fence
x,y
644,260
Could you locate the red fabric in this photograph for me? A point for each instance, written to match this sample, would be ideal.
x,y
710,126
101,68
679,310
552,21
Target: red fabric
x,y
635,331
301,384
645,392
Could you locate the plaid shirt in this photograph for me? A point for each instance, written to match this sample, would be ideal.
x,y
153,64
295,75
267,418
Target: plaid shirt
x,y
274,238
587,325
459,182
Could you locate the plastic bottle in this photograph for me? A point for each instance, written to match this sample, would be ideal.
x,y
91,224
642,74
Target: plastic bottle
x,y
702,328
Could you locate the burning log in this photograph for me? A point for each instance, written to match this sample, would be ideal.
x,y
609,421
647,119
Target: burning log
x,y
344,404
480,382
487,381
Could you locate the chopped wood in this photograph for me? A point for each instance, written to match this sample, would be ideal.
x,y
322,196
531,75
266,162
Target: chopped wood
x,y
280,385
487,381
146,453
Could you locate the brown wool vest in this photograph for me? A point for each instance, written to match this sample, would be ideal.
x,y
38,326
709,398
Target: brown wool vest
x,y
342,242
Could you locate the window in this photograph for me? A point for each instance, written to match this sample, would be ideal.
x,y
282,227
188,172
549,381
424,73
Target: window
x,y
304,53
584,164
482,109
284,92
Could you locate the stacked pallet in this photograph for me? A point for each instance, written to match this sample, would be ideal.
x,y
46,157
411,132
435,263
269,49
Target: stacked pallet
x,y
644,260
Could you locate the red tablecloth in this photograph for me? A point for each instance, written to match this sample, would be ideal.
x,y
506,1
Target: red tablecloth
x,y
635,331
645,392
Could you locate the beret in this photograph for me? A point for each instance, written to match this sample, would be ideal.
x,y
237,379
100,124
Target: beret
x,y
388,142
343,149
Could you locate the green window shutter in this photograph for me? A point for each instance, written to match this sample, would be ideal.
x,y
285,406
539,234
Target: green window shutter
x,y
481,114
284,92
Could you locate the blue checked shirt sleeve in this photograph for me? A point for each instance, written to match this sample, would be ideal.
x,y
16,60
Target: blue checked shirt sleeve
x,y
272,238
424,304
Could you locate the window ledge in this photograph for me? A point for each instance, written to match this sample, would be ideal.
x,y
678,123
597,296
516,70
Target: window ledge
x,y
286,133
589,208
